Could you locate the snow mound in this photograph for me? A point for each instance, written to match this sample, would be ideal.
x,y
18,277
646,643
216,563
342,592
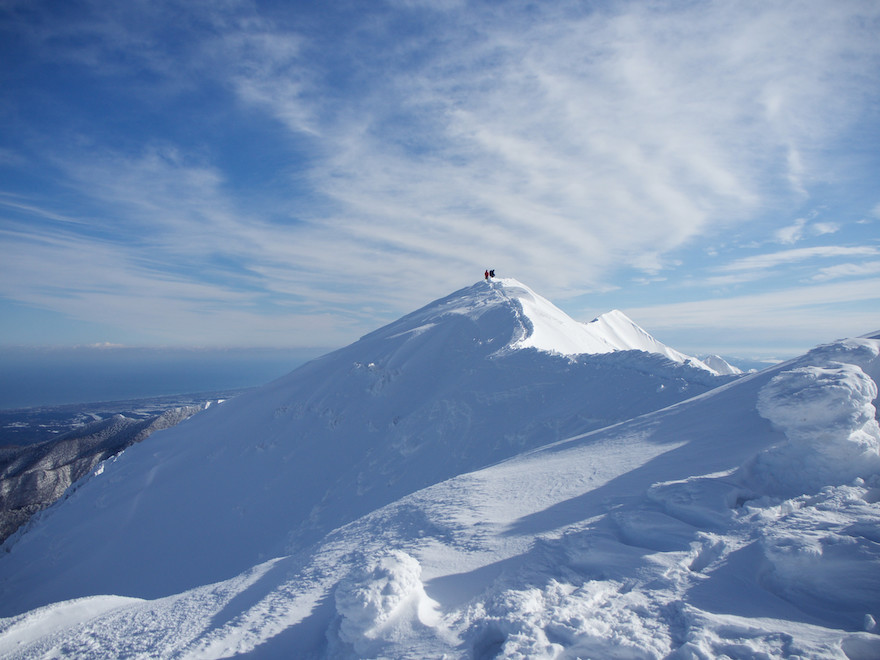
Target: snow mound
x,y
821,553
819,404
381,601
828,418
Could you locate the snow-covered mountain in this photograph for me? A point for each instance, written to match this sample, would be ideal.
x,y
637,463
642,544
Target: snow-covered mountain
x,y
622,334
720,365
460,384
433,489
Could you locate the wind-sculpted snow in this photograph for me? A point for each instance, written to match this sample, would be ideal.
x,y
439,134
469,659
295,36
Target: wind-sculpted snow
x,y
824,406
828,418
379,603
676,534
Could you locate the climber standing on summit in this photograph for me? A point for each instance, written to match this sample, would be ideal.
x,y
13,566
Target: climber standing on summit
x,y
487,275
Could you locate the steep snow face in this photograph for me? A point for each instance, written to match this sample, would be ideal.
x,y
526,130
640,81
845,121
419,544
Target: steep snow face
x,y
449,388
34,476
548,328
541,325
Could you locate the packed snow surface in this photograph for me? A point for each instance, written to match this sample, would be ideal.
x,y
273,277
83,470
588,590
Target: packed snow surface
x,y
741,522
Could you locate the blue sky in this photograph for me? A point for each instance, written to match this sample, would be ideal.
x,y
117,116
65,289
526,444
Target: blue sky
x,y
292,174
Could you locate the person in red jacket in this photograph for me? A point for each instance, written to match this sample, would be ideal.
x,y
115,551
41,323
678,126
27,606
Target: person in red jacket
x,y
487,275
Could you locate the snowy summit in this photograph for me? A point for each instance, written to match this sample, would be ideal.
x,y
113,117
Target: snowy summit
x,y
485,477
538,323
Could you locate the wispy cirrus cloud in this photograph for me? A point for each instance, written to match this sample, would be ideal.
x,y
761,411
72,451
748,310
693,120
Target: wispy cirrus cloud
x,y
865,269
775,259
772,321
608,137
782,309
96,281
287,163
18,204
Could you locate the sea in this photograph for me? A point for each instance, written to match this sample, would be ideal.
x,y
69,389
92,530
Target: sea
x,y
36,377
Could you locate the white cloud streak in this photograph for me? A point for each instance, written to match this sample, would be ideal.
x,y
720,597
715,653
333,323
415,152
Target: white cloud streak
x,y
793,233
794,318
839,271
763,262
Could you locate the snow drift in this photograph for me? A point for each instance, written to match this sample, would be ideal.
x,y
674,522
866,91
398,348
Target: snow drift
x,y
829,421
742,522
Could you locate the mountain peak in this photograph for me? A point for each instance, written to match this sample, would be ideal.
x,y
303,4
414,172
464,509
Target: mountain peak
x,y
546,327
503,313
507,315
722,366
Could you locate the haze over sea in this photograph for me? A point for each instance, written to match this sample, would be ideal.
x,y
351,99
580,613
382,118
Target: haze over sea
x,y
54,376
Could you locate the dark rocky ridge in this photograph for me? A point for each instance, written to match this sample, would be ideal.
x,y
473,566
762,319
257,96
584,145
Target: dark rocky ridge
x,y
32,477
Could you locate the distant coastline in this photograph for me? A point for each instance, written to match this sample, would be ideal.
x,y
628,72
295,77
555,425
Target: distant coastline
x,y
32,377
37,424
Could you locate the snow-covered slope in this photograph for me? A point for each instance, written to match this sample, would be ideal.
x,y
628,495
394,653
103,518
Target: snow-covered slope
x,y
548,328
622,334
34,476
742,523
720,365
469,380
